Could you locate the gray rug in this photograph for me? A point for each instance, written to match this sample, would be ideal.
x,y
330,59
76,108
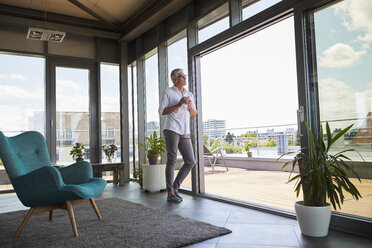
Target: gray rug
x,y
124,224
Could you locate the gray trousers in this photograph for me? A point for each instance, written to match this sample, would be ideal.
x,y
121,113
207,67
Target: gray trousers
x,y
174,141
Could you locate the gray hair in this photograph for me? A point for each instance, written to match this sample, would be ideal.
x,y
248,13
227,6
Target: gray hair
x,y
174,73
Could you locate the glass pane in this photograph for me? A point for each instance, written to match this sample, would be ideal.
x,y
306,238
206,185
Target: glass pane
x,y
343,36
213,29
22,94
130,121
213,23
135,117
22,99
72,117
252,7
110,109
177,57
152,95
249,99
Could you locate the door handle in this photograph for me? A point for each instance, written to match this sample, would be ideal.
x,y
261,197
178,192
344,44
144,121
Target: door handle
x,y
300,118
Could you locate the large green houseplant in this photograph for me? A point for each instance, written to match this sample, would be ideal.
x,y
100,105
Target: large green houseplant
x,y
322,176
154,146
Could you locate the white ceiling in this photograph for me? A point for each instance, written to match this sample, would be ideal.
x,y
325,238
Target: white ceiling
x,y
128,17
114,11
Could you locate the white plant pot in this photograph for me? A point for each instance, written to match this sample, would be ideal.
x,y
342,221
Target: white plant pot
x,y
153,176
313,221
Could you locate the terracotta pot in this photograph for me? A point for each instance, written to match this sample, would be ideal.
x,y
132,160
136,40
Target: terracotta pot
x,y
153,158
249,154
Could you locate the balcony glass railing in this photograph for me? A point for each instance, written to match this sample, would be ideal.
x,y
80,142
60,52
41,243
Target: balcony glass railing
x,y
260,180
359,137
263,141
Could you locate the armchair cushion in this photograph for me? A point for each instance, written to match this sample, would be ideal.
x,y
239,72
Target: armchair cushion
x,y
85,190
77,173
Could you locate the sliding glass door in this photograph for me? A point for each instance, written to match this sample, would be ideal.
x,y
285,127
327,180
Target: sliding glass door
x,y
250,102
343,36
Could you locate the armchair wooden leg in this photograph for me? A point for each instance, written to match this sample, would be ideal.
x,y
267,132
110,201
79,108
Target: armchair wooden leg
x,y
50,215
24,222
72,217
93,203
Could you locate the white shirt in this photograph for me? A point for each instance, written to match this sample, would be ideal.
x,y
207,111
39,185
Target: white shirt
x,y
179,120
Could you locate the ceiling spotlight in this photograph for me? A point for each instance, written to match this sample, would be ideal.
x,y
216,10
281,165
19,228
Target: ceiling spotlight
x,y
45,34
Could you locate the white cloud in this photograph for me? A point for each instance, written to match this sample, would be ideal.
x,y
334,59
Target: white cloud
x,y
73,103
340,101
110,104
9,92
365,46
63,85
337,99
13,77
356,15
17,118
340,55
114,69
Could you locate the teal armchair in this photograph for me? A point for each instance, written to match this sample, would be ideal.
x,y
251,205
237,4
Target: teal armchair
x,y
41,186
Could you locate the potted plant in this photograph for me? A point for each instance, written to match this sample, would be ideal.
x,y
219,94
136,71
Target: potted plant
x,y
154,146
322,176
109,151
137,174
246,148
77,152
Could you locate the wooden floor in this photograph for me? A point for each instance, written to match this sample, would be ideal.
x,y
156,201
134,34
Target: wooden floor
x,y
270,188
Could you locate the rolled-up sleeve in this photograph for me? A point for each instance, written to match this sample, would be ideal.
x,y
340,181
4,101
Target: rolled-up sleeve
x,y
164,100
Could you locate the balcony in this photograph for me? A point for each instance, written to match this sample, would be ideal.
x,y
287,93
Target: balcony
x,y
260,180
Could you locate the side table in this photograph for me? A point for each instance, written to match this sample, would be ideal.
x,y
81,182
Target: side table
x,y
116,168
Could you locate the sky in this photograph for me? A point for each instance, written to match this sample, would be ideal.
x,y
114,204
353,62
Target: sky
x,y
343,35
344,61
251,82
177,58
22,90
152,88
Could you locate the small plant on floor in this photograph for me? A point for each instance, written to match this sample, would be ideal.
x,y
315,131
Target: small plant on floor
x,y
137,174
77,152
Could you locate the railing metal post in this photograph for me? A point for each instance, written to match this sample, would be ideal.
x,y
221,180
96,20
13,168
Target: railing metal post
x,y
258,143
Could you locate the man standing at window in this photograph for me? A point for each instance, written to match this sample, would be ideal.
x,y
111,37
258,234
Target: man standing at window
x,y
178,105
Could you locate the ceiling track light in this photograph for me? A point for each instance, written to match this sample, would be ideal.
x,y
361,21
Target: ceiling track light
x,y
45,34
